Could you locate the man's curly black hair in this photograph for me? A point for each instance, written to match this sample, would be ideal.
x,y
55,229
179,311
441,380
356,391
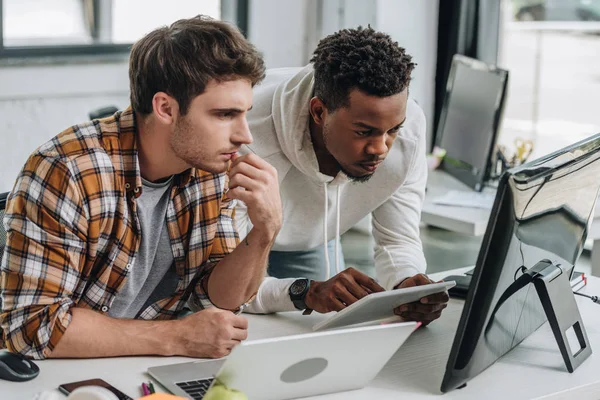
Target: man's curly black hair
x,y
359,58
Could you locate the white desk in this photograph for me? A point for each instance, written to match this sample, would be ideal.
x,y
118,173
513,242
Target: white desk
x,y
470,221
534,369
473,221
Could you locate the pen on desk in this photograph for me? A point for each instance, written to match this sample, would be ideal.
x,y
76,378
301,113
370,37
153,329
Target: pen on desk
x,y
151,387
145,389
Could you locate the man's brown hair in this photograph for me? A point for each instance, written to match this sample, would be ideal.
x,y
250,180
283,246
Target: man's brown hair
x,y
182,58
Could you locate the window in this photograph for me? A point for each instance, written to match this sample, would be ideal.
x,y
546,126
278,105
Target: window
x,y
67,27
552,50
126,29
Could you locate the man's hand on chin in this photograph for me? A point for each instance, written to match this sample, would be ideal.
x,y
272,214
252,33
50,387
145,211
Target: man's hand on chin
x,y
425,310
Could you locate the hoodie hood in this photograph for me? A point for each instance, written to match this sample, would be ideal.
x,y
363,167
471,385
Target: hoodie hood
x,y
291,115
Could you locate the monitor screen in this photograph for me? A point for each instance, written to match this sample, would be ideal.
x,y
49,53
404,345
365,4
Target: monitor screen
x,y
470,117
542,211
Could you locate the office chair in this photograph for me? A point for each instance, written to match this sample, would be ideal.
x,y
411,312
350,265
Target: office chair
x,y
102,112
3,197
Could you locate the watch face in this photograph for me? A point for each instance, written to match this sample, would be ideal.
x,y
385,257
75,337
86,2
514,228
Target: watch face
x,y
298,287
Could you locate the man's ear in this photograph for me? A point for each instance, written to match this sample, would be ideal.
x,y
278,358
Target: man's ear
x,y
318,110
165,108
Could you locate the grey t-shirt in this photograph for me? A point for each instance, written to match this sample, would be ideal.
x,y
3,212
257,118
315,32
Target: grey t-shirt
x,y
153,276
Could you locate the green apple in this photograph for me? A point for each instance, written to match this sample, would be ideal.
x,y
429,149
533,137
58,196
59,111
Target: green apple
x,y
221,392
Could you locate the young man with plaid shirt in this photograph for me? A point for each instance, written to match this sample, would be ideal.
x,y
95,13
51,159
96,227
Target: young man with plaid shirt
x,y
115,225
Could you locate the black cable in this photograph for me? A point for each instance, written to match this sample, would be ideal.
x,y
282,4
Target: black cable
x,y
514,287
595,299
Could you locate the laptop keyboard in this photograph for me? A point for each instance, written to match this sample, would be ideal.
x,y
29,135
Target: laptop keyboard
x,y
196,389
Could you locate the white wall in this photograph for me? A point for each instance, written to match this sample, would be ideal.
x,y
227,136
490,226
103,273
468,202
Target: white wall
x,y
414,24
278,29
38,102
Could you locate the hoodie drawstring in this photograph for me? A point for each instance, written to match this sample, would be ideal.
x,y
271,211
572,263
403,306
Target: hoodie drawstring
x,y
337,232
325,235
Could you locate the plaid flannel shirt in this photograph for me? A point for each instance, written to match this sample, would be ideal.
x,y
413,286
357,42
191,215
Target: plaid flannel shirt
x,y
73,233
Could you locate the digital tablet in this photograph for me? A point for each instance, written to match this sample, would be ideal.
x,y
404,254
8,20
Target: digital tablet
x,y
380,305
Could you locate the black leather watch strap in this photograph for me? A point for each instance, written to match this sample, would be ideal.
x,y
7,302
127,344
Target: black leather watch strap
x,y
298,291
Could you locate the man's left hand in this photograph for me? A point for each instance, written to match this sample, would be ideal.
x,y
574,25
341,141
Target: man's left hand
x,y
425,310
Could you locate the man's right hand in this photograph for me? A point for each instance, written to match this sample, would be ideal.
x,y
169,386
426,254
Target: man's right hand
x,y
254,181
343,289
210,333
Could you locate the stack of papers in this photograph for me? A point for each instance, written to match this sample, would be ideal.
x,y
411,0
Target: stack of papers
x,y
470,199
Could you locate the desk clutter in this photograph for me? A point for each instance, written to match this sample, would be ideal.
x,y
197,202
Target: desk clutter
x,y
100,393
506,157
467,198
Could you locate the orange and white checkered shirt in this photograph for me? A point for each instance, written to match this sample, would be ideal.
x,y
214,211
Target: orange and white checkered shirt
x,y
73,233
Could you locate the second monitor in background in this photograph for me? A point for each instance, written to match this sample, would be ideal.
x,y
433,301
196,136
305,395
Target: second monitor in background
x,y
470,117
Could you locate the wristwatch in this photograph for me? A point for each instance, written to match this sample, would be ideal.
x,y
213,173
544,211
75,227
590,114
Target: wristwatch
x,y
298,292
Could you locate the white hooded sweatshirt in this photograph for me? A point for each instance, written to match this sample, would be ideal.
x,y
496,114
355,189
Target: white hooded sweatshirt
x,y
318,208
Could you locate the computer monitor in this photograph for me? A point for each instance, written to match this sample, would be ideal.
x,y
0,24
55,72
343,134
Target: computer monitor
x,y
469,120
541,214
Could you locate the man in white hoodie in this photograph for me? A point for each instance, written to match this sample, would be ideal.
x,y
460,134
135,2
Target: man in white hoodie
x,y
347,142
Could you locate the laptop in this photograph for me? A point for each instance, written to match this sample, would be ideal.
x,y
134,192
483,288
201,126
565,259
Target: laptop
x,y
292,366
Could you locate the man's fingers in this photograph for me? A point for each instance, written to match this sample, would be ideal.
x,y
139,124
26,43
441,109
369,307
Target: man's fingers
x,y
431,317
251,159
248,170
242,181
415,316
237,193
239,322
422,308
336,305
425,310
357,290
436,298
344,295
417,280
235,160
240,193
239,334
408,282
366,281
231,344
422,279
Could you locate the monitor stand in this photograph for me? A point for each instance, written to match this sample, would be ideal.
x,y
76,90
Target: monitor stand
x,y
561,309
558,301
